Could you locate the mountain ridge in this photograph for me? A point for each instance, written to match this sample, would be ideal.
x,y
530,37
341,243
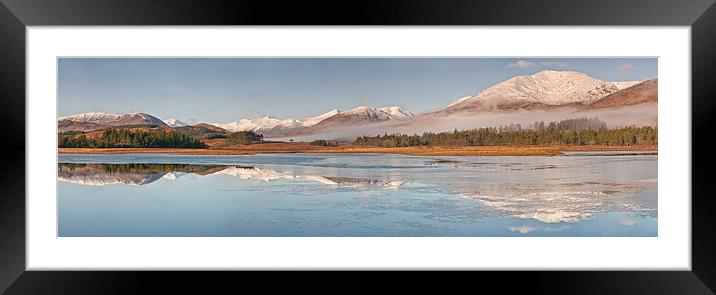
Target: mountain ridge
x,y
273,125
99,120
544,90
644,92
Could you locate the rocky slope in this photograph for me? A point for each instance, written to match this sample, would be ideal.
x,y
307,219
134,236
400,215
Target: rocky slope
x,y
644,92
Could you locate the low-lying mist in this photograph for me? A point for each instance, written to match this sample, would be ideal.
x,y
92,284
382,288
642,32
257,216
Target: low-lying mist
x,y
637,115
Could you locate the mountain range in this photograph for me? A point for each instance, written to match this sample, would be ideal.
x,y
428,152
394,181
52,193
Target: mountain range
x,y
545,90
359,115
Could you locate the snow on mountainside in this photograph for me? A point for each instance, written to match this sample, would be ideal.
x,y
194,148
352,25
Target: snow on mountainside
x,y
644,92
396,112
106,118
259,124
374,114
269,123
360,114
364,112
459,100
175,123
94,117
97,120
626,84
550,87
307,122
351,118
545,88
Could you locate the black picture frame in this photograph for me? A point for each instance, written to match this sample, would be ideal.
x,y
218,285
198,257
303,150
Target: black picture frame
x,y
16,15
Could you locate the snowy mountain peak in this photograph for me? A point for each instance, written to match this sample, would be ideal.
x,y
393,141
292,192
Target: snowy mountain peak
x,y
172,122
552,74
366,112
359,109
106,119
93,117
358,114
310,121
396,112
545,87
259,124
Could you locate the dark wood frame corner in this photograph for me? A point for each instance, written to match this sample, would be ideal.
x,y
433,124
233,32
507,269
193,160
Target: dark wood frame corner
x,y
16,15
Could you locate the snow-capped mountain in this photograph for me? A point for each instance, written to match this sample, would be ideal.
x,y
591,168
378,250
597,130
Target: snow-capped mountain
x,y
98,120
93,117
310,121
545,88
396,112
364,112
357,116
106,118
259,124
175,122
542,90
626,84
269,123
273,126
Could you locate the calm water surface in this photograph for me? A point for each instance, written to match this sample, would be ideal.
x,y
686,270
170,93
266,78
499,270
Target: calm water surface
x,y
375,195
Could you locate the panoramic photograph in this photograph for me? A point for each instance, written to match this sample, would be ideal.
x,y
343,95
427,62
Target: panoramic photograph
x,y
357,147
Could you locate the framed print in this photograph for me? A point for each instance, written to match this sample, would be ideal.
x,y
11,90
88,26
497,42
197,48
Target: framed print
x,y
477,136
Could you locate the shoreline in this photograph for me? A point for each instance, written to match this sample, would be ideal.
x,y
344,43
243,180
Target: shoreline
x,y
282,148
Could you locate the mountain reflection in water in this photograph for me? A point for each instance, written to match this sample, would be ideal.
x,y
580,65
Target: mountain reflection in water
x,y
506,188
142,174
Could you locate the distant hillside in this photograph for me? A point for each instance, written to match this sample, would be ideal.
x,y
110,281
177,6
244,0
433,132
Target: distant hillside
x,y
212,128
643,92
98,120
202,131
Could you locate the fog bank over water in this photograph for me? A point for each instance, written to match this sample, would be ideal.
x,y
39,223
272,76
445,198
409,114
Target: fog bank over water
x,y
636,115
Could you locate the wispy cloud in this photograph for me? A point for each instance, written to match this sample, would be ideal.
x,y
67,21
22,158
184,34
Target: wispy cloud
x,y
521,229
625,68
522,64
558,64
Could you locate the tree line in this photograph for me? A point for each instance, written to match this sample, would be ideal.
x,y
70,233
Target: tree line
x,y
583,131
323,142
125,138
244,137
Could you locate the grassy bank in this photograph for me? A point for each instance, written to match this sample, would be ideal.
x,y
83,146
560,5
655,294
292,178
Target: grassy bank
x,y
299,147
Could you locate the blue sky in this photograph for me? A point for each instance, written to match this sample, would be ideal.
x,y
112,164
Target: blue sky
x,y
228,89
